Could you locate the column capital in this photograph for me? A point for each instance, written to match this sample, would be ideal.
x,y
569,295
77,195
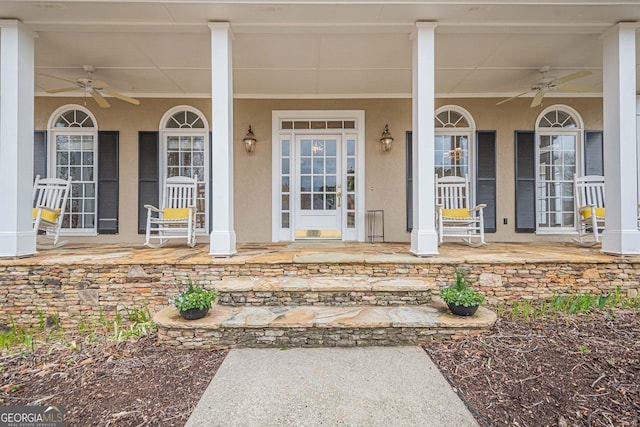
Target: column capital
x,y
16,23
219,25
426,25
621,26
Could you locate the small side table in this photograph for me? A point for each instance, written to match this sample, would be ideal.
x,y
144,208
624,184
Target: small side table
x,y
375,225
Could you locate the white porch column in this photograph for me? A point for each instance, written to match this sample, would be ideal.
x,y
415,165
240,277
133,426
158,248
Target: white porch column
x,y
424,240
223,235
621,235
16,139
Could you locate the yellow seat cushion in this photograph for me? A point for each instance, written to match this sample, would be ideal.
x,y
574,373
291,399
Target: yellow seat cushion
x,y
175,213
46,214
586,213
456,213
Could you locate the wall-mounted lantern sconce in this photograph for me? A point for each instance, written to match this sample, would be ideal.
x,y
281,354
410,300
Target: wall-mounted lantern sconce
x,y
249,141
386,139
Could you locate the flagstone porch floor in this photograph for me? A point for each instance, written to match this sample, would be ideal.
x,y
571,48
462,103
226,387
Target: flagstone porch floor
x,y
318,252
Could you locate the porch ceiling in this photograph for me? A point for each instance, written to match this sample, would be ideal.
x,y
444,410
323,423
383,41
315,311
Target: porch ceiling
x,y
318,49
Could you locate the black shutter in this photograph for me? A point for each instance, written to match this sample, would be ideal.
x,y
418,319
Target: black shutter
x,y
40,154
486,177
525,181
108,182
409,183
148,175
593,153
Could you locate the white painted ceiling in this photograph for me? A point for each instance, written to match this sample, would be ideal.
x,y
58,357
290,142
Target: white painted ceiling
x,y
304,48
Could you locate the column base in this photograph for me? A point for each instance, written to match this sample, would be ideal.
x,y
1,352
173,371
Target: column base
x,y
621,242
17,244
424,243
222,243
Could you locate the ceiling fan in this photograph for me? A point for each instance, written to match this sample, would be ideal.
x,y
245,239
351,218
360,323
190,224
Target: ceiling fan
x,y
545,83
96,88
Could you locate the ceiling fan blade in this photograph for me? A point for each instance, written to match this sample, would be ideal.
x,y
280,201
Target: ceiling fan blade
x,y
63,89
123,97
100,99
512,98
58,78
572,76
537,100
99,84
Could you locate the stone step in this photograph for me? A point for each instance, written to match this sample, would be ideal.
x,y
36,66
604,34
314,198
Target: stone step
x,y
331,291
317,326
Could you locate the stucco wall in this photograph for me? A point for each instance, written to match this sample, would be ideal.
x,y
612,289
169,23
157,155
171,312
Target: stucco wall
x,y
385,172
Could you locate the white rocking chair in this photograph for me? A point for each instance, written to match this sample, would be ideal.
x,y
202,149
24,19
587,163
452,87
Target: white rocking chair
x,y
176,218
49,203
455,217
589,203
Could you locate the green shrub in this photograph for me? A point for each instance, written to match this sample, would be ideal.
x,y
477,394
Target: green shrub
x,y
460,293
195,296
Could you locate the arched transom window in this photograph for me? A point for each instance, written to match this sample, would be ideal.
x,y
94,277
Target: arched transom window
x,y
185,152
558,149
454,130
73,135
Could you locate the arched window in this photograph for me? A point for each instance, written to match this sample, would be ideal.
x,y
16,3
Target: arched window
x,y
73,136
185,152
558,153
454,129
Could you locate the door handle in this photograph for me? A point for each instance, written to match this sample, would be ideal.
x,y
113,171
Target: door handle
x,y
339,194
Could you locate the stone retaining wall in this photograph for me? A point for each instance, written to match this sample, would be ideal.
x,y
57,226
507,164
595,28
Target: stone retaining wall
x,y
224,338
324,298
72,292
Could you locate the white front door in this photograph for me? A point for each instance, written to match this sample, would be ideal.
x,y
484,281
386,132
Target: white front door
x,y
318,187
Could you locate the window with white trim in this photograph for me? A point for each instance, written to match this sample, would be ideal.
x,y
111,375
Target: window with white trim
x,y
185,152
558,151
73,136
454,130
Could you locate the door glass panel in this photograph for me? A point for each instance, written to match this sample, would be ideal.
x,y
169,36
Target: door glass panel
x,y
305,183
318,184
285,156
305,165
331,182
305,147
351,147
318,174
305,201
331,148
318,165
318,201
331,166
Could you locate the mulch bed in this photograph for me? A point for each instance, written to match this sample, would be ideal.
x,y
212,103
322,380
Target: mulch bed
x,y
569,371
132,383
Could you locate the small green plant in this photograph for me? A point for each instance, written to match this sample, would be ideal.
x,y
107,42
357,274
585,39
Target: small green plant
x,y
584,348
460,293
140,324
195,296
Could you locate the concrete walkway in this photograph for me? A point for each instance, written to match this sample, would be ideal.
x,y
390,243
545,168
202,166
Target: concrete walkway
x,y
368,386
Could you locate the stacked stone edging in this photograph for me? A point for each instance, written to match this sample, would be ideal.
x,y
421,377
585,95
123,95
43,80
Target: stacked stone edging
x,y
79,290
332,291
230,327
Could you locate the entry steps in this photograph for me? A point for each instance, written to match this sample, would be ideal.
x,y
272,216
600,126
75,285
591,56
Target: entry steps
x,y
284,312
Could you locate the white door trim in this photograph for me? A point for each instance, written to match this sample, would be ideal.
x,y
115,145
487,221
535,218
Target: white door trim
x,y
357,133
